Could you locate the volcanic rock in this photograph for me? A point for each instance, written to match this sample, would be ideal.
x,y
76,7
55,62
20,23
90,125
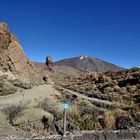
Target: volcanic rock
x,y
13,59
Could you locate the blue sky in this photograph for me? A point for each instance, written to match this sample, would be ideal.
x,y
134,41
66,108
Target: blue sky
x,y
106,29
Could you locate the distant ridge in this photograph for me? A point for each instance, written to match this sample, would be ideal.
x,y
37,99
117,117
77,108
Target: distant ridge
x,y
87,64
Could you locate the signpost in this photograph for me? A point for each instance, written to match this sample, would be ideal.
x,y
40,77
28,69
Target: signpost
x,y
65,106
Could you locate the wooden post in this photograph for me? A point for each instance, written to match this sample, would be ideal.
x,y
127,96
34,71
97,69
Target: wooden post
x,y
65,106
64,123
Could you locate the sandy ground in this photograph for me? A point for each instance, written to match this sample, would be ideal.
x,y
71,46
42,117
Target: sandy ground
x,y
26,95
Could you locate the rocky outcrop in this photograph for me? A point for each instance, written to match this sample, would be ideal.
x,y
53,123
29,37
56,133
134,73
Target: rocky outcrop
x,y
13,59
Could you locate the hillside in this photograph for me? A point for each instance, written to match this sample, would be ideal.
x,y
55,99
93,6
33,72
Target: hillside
x,y
86,63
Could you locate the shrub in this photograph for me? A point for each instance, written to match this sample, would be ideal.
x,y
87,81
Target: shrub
x,y
45,104
4,122
84,103
59,126
136,108
132,89
108,90
75,121
34,119
89,122
123,120
73,113
12,111
73,124
50,105
110,120
78,122
119,104
119,112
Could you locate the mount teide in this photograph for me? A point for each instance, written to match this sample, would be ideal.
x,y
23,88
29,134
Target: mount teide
x,y
87,64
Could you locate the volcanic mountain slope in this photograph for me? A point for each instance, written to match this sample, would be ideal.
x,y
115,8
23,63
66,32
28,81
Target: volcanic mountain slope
x,y
88,64
14,65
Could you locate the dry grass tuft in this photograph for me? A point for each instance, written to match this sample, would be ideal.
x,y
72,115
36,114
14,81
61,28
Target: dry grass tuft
x,y
73,112
110,120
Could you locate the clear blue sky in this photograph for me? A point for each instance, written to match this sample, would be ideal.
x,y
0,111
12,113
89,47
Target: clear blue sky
x,y
106,29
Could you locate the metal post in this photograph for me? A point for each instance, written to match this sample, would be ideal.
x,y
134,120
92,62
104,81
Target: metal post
x,y
64,123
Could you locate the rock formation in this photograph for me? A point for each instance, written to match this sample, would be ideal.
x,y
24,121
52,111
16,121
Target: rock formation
x,y
49,63
13,59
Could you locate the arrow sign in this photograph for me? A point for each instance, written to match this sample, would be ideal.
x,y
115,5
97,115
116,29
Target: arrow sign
x,y
65,105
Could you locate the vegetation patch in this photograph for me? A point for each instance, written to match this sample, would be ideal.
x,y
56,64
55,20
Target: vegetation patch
x,y
34,119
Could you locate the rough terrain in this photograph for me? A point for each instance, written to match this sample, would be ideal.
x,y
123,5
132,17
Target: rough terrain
x,y
120,90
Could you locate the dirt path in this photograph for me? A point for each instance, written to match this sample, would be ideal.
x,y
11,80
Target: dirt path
x,y
40,92
86,97
27,95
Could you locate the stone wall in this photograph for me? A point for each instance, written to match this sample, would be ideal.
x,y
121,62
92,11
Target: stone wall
x,y
98,135
122,135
